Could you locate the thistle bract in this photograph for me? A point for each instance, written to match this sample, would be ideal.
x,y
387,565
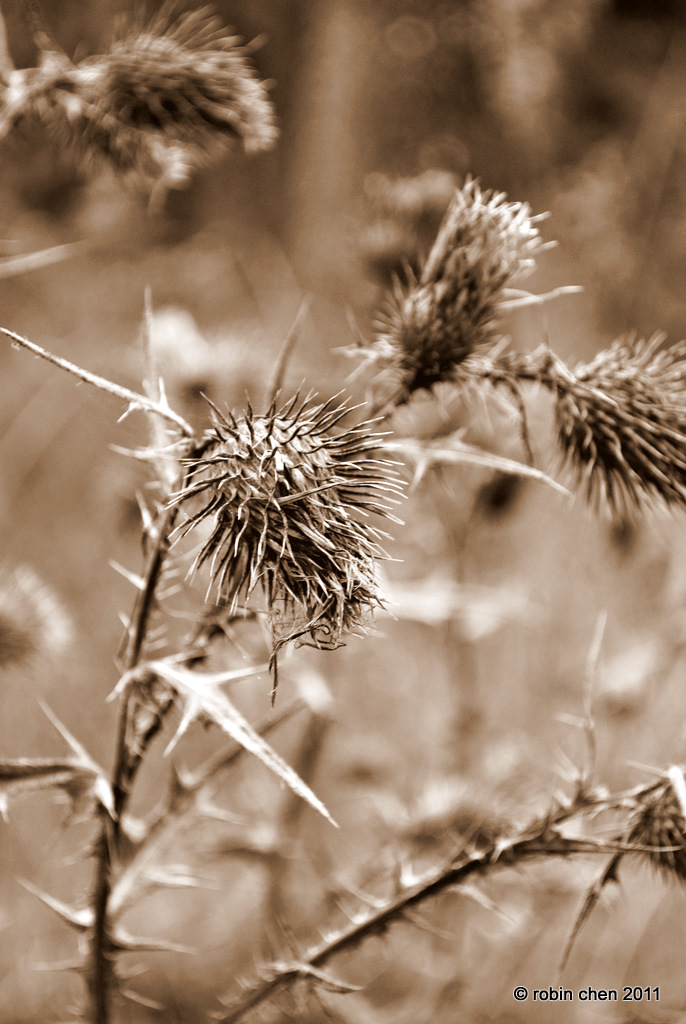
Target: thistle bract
x,y
288,500
484,245
660,825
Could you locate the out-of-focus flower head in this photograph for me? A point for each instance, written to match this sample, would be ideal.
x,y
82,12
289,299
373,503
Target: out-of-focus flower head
x,y
163,100
33,623
195,367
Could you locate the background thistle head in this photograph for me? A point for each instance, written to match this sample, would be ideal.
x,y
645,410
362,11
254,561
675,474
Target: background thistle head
x,y
405,215
34,627
163,100
621,422
288,496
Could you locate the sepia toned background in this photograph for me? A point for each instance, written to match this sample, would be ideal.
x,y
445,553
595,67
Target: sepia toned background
x,y
463,709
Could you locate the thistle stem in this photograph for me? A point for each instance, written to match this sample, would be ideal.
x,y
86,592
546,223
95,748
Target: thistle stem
x,y
124,772
538,840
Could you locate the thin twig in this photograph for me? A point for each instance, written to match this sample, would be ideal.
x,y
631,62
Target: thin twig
x,y
12,266
291,814
290,341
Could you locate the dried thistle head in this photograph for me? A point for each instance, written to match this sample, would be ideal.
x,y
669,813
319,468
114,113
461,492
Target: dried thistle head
x,y
288,498
621,422
659,822
33,624
162,101
484,245
406,214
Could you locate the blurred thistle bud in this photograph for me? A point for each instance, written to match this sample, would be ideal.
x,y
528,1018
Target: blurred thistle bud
x,y
659,823
162,101
288,500
196,367
484,245
448,808
621,422
405,214
33,624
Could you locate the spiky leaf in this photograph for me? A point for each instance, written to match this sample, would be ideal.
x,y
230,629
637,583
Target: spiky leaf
x,y
203,700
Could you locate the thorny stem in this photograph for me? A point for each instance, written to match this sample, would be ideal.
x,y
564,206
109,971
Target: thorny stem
x,y
190,790
540,839
100,974
126,765
134,400
127,761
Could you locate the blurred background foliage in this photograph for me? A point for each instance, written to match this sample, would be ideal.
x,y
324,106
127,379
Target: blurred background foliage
x,y
455,711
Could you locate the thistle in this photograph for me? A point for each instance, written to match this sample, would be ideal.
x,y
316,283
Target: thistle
x,y
484,245
288,499
162,101
620,419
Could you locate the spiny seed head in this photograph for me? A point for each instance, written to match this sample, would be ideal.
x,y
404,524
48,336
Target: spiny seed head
x,y
162,101
484,245
659,823
621,422
287,498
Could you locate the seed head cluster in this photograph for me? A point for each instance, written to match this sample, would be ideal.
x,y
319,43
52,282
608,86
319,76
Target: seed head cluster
x,y
288,500
621,422
484,245
163,100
